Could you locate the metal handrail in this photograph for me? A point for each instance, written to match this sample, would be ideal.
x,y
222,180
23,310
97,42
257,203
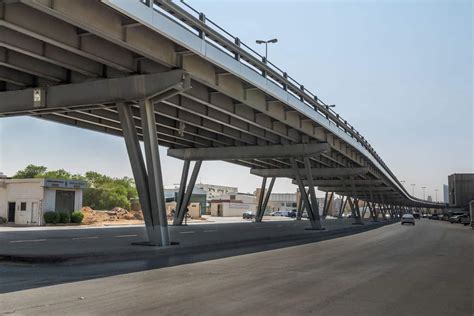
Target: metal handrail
x,y
204,25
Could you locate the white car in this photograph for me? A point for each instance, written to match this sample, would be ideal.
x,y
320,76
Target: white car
x,y
408,218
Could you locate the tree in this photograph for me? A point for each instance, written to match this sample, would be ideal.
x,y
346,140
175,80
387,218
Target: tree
x,y
101,193
57,174
30,171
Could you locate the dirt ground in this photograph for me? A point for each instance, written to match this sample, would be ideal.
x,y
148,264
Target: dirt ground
x,y
116,216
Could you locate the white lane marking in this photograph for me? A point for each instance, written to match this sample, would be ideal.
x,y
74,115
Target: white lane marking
x,y
188,232
210,231
28,240
79,238
122,236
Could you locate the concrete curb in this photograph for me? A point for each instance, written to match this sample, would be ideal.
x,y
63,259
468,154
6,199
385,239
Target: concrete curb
x,y
147,252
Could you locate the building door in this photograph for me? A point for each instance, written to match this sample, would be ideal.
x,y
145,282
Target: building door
x,y
219,209
65,201
34,213
11,212
22,215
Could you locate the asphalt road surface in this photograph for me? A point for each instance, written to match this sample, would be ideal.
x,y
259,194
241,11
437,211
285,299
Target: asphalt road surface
x,y
392,270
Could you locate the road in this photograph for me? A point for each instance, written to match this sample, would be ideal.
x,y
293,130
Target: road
x,y
392,270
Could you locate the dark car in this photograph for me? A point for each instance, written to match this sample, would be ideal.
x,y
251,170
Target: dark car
x,y
292,214
248,215
434,216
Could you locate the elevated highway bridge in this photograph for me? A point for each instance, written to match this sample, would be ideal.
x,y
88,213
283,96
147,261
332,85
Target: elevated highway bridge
x,y
163,73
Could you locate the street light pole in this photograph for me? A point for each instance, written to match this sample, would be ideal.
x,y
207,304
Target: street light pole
x,y
413,189
266,45
423,192
436,192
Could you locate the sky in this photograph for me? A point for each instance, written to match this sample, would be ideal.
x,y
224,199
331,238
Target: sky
x,y
401,72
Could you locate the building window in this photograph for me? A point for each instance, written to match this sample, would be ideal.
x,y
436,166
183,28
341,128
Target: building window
x,y
23,206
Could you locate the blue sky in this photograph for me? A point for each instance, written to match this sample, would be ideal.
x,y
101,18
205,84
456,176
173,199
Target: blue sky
x,y
399,71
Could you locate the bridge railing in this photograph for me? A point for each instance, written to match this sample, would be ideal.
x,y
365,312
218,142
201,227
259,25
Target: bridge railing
x,y
211,32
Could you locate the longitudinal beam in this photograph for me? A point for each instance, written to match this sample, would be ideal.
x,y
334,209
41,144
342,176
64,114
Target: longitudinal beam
x,y
356,189
316,172
332,183
106,91
249,152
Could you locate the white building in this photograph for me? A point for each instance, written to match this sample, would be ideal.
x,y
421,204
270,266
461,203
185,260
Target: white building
x,y
215,192
234,204
24,201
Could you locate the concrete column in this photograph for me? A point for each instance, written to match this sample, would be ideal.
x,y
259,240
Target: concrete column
x,y
155,179
259,216
315,221
261,196
355,207
189,192
182,188
342,207
139,172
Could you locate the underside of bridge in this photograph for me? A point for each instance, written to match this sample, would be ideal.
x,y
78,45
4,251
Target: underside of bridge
x,y
160,73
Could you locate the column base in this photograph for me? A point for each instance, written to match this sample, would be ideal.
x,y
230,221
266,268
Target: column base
x,y
152,244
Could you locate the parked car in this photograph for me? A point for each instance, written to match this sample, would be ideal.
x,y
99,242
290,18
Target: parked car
x,y
424,215
465,220
416,215
284,213
279,213
408,219
434,216
455,219
248,215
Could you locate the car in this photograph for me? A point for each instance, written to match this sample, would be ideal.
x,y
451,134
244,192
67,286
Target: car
x,y
455,219
465,220
416,215
408,219
434,216
283,213
278,213
461,218
248,215
292,214
424,215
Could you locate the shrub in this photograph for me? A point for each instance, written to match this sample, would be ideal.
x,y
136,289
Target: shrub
x,y
77,217
51,217
3,220
64,218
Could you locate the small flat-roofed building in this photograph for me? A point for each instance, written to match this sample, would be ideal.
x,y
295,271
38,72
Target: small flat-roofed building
x,y
24,201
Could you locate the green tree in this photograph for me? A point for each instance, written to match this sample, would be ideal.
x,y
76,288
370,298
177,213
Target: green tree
x,y
101,193
30,171
56,174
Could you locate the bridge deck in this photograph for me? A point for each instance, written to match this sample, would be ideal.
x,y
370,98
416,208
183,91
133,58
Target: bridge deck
x,y
235,98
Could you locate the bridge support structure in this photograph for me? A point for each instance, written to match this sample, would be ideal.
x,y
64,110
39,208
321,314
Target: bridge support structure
x,y
263,199
311,207
184,195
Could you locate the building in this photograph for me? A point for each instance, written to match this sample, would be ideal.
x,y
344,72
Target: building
x,y
461,190
445,193
197,202
215,192
24,201
234,204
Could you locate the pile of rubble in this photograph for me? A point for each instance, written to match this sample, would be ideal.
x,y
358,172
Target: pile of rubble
x,y
116,214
